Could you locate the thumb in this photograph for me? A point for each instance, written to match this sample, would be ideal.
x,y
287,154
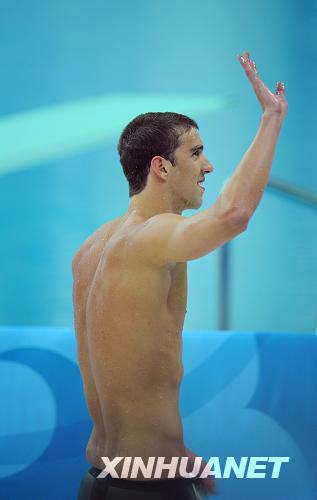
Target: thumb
x,y
280,88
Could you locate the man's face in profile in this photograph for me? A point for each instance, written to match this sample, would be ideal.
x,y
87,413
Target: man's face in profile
x,y
191,165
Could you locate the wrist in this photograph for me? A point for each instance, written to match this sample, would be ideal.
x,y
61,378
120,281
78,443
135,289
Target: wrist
x,y
269,116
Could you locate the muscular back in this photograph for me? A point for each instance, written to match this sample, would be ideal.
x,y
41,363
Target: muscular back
x,y
129,316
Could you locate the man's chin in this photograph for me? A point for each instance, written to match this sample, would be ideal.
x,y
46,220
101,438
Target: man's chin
x,y
198,203
194,205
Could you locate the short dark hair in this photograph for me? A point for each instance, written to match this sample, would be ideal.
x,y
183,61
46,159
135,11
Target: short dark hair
x,y
148,135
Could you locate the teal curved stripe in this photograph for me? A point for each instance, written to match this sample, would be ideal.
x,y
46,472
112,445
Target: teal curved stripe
x,y
217,371
28,139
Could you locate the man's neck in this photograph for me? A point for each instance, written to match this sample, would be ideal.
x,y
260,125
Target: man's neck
x,y
142,205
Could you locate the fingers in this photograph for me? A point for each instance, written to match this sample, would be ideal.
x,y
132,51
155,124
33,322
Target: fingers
x,y
248,65
243,58
267,99
252,74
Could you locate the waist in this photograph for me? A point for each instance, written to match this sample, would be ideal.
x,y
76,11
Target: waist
x,y
143,445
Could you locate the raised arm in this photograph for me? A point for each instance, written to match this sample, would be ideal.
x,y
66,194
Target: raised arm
x,y
173,238
245,187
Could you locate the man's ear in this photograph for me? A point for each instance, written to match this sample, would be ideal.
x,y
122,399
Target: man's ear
x,y
158,167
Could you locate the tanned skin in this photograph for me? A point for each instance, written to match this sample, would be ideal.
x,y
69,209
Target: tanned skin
x,y
130,289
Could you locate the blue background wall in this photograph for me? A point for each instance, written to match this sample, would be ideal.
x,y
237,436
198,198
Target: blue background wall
x,y
237,400
67,57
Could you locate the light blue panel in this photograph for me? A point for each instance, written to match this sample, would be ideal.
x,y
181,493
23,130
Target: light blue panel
x,y
274,268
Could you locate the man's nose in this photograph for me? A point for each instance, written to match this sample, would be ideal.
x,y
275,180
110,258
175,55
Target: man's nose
x,y
208,168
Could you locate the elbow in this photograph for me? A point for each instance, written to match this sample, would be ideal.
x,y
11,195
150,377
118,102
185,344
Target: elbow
x,y
238,219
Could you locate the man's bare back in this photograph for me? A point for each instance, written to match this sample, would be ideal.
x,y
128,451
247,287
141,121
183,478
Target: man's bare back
x,y
130,278
129,317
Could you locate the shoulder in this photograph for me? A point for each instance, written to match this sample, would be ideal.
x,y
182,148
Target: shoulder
x,y
155,229
152,236
158,225
94,242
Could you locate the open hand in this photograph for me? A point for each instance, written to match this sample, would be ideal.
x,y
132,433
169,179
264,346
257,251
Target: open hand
x,y
271,103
